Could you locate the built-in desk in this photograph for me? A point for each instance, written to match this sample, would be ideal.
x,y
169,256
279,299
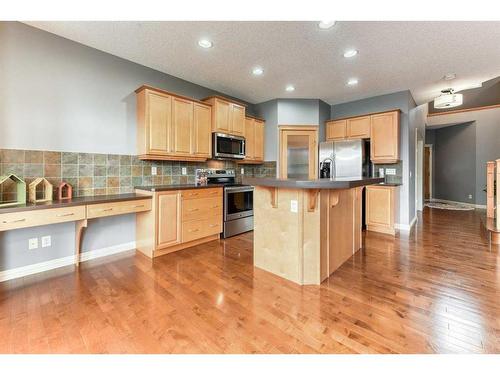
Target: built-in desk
x,y
78,210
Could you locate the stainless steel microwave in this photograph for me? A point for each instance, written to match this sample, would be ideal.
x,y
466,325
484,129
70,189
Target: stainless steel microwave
x,y
225,146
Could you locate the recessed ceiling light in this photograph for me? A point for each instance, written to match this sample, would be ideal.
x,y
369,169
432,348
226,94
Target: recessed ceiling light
x,y
290,88
352,82
205,43
449,76
324,25
350,53
257,71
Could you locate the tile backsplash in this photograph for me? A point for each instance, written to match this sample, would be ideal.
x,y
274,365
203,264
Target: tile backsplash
x,y
102,174
395,179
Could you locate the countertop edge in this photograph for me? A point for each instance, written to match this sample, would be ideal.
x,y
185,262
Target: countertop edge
x,y
312,184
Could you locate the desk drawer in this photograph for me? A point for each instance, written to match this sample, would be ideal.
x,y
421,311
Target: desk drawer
x,y
117,208
33,218
195,209
193,230
201,193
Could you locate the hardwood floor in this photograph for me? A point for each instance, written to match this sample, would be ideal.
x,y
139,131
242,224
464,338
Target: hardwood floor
x,y
435,291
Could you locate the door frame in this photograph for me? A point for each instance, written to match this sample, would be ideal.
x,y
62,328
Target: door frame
x,y
314,129
419,171
431,172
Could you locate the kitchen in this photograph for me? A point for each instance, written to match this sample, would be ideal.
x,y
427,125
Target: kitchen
x,y
175,215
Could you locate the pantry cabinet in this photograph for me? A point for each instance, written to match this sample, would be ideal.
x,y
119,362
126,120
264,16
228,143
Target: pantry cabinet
x,y
172,127
254,141
227,116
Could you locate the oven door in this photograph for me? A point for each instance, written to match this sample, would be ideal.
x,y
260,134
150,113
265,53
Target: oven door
x,y
238,202
227,146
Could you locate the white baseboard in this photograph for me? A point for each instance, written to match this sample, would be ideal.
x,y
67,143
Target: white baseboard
x,y
482,206
406,227
65,261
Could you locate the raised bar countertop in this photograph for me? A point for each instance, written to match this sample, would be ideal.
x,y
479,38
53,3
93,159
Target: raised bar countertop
x,y
77,201
177,187
320,183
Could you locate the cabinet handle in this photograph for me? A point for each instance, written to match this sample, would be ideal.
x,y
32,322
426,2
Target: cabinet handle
x,y
139,206
213,225
194,230
194,193
64,215
193,209
107,209
14,221
216,206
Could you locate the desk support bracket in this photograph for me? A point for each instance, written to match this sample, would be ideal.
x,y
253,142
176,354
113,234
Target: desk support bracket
x,y
80,225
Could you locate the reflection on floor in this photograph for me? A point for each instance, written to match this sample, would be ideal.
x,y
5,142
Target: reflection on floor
x,y
435,291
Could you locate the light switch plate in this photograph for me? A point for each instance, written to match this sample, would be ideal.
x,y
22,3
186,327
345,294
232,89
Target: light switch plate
x,y
470,196
242,170
46,241
154,171
294,206
184,171
33,243
390,171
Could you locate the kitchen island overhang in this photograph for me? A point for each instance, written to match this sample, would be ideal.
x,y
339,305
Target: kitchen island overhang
x,y
305,229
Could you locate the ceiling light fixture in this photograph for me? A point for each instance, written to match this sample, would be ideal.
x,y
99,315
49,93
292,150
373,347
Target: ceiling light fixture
x,y
449,76
352,82
205,43
448,99
350,53
257,71
325,25
290,88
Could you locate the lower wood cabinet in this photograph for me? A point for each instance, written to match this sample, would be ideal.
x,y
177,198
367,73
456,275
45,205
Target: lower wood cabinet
x,y
382,208
179,219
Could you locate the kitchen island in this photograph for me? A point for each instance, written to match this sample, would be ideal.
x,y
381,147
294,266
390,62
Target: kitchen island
x,y
305,229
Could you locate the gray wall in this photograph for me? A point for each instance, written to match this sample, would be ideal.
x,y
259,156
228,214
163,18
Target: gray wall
x,y
454,153
269,112
59,95
399,100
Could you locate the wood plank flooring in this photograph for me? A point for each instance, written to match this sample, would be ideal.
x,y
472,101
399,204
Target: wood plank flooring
x,y
436,291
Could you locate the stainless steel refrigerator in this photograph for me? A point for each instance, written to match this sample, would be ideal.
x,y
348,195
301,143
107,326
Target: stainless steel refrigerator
x,y
349,158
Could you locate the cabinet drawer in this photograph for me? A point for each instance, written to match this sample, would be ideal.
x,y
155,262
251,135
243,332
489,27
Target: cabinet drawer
x,y
195,229
117,208
201,193
194,209
25,219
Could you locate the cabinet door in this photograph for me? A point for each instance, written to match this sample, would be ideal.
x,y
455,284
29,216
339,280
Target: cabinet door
x,y
336,130
182,121
380,208
202,130
158,123
168,219
237,119
384,131
222,116
249,138
259,140
358,127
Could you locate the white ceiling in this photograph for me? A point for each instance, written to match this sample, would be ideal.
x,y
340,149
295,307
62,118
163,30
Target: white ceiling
x,y
393,56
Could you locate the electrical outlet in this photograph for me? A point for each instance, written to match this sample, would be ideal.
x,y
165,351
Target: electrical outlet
x,y
470,196
184,171
154,171
33,243
46,241
294,206
390,171
242,171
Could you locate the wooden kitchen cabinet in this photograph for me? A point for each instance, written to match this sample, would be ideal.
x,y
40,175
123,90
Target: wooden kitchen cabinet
x,y
259,140
169,219
381,208
336,130
254,141
384,135
227,116
249,138
172,127
358,127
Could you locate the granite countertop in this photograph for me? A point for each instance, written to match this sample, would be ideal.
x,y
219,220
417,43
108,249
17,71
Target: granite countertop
x,y
176,187
77,201
320,183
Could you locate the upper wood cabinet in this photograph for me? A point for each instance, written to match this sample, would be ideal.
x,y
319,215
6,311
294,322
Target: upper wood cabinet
x,y
358,127
172,127
254,141
227,116
336,130
384,131
381,128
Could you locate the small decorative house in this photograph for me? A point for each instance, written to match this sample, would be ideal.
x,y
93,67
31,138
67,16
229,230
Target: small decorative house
x,y
19,191
64,191
40,190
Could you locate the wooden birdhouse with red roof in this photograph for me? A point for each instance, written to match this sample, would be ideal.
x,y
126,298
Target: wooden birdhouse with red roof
x,y
64,191
12,190
40,190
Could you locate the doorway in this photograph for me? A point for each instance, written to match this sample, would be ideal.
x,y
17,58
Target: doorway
x,y
298,151
428,172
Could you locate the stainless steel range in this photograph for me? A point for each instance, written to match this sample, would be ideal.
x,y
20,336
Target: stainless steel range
x,y
238,200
